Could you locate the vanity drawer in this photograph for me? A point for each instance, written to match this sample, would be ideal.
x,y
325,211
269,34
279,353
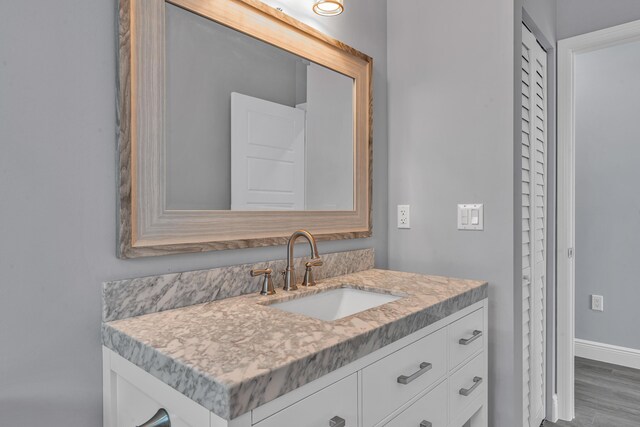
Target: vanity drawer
x,y
392,381
466,338
337,402
466,385
427,411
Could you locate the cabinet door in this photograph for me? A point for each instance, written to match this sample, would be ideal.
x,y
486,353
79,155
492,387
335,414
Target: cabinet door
x,y
132,396
136,407
337,402
534,233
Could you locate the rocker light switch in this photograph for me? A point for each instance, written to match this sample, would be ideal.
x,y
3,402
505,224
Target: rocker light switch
x,y
475,217
465,217
471,217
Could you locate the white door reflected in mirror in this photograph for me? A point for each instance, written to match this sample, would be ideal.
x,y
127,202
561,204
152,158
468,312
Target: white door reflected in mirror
x,y
267,155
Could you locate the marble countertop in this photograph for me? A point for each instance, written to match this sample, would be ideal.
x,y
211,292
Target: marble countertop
x,y
236,354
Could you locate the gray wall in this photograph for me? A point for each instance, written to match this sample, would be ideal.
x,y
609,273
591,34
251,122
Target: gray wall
x,y
607,200
329,145
206,62
451,140
543,15
58,193
583,16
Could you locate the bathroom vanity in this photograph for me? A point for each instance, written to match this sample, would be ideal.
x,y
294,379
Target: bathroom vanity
x,y
419,359
292,112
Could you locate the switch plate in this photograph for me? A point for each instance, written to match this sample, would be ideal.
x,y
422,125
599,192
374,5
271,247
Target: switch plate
x,y
597,302
471,216
404,216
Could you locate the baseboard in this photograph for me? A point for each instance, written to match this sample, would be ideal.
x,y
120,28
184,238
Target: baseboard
x,y
608,353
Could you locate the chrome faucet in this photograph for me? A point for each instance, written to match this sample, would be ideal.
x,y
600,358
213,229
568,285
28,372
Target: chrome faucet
x,y
290,272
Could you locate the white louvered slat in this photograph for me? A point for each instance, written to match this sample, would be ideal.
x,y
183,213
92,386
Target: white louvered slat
x,y
526,240
534,153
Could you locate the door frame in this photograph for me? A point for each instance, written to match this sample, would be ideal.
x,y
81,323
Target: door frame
x,y
568,49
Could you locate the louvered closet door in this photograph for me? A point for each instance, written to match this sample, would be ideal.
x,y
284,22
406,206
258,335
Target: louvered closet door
x,y
534,169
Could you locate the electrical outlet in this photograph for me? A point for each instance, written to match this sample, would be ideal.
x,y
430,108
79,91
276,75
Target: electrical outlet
x,y
597,302
404,216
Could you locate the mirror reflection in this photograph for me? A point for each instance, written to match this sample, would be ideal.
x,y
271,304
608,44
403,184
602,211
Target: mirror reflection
x,y
250,126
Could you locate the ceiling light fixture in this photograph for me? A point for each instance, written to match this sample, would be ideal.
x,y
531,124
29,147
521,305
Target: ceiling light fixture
x,y
328,7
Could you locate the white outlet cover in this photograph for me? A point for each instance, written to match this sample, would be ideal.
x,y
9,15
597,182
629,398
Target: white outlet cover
x,y
404,216
597,302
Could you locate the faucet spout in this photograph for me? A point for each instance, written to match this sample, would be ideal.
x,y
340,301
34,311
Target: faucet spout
x,y
290,273
292,242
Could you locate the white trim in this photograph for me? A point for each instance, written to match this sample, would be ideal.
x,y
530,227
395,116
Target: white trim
x,y
553,417
623,356
109,402
565,235
567,50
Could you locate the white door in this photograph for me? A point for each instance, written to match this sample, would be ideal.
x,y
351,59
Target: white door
x,y
267,155
534,168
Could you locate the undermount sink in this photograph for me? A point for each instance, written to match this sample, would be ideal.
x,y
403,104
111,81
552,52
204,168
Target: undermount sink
x,y
336,303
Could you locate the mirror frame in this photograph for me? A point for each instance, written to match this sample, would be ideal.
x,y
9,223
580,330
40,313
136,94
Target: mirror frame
x,y
145,226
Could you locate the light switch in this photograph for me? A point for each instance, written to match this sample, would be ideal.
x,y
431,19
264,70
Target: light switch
x,y
475,217
465,217
471,216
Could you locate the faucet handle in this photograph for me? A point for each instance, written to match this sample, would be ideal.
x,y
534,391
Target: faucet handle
x,y
260,272
314,263
267,283
308,273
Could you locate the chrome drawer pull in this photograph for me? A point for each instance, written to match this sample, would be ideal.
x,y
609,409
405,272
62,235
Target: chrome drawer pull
x,y
337,422
160,419
466,341
424,367
467,391
426,424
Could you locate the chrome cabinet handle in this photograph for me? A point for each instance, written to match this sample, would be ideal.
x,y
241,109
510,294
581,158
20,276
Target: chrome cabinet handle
x,y
426,424
337,422
467,391
160,419
466,341
424,367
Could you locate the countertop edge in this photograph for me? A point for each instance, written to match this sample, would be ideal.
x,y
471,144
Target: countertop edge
x,y
185,379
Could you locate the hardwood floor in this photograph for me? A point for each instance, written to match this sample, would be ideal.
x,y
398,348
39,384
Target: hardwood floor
x,y
606,396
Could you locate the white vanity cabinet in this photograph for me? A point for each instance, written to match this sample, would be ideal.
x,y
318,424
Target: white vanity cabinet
x,y
436,377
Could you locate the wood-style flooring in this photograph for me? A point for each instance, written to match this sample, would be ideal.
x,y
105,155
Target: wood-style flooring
x,y
606,396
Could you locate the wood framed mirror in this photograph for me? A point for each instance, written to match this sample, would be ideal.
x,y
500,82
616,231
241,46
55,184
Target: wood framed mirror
x,y
217,149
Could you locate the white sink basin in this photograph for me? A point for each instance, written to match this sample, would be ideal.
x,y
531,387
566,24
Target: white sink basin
x,y
336,303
